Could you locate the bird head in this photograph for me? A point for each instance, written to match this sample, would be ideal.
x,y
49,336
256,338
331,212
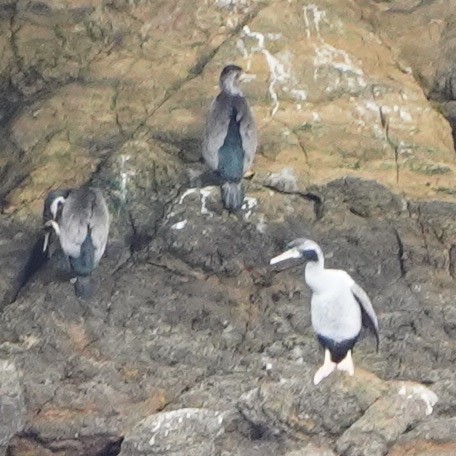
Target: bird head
x,y
52,211
53,204
300,248
230,78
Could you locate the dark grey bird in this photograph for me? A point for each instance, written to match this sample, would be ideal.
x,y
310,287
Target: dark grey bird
x,y
339,307
80,218
230,137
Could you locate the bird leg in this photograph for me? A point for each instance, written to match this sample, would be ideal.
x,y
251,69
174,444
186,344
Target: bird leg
x,y
347,364
328,367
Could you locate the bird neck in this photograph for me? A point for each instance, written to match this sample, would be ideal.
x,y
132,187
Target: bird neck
x,y
314,274
230,88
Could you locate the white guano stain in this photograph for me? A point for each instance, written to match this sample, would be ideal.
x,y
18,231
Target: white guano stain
x,y
261,225
348,73
339,70
329,60
422,393
234,9
370,112
313,17
204,194
125,175
249,204
179,225
279,65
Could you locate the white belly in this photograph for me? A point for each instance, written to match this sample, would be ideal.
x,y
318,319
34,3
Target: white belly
x,y
337,317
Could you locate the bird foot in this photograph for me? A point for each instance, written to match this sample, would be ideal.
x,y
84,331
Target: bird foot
x,y
324,371
346,365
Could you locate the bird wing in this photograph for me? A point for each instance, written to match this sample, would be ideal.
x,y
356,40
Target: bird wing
x,y
217,122
248,131
368,313
73,231
99,224
84,208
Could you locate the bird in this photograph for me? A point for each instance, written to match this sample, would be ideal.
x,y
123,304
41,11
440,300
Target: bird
x,y
80,219
339,307
40,252
230,137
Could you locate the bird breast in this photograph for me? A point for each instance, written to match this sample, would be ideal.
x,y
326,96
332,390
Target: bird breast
x,y
336,314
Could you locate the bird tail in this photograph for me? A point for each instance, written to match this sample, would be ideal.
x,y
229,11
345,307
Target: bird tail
x,y
232,195
83,287
36,260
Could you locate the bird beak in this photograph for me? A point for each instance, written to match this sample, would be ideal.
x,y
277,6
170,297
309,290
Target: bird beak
x,y
46,241
292,253
246,77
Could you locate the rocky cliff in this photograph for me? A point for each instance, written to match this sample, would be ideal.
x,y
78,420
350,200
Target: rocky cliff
x,y
193,344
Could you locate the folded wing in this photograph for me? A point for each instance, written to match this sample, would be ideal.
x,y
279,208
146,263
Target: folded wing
x,y
248,131
368,313
85,212
217,122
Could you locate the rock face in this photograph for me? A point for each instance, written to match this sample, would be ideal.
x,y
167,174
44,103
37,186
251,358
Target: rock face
x,y
432,58
193,344
12,406
96,86
184,431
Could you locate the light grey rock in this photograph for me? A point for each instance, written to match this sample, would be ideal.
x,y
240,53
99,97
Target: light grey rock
x,y
441,430
311,450
283,181
186,431
293,405
12,405
386,420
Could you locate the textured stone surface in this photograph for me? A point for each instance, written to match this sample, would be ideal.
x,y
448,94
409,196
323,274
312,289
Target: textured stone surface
x,y
12,405
330,97
311,450
184,431
386,420
193,322
188,314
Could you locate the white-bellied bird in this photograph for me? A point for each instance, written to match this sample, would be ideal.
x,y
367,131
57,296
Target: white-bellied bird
x,y
339,307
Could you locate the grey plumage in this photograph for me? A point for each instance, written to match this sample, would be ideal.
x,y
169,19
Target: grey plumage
x,y
339,307
82,225
230,137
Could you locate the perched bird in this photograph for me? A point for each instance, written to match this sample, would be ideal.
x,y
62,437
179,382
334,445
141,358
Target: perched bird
x,y
339,307
80,218
230,137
